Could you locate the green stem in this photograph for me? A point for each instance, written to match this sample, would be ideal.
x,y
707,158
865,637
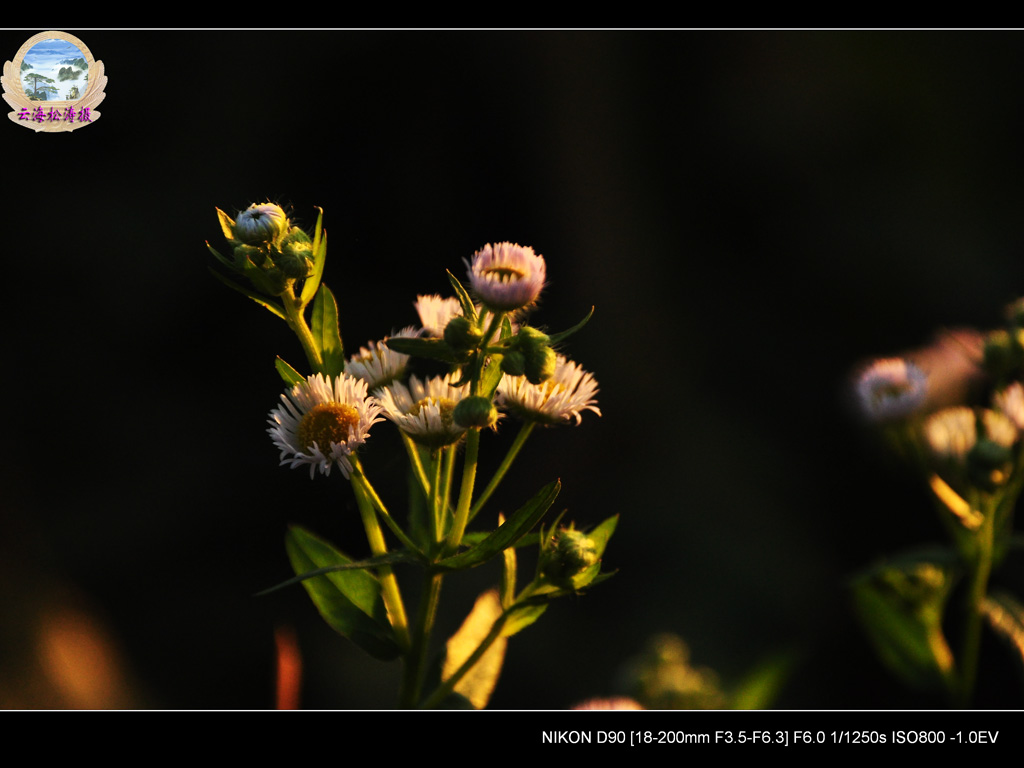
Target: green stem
x,y
412,681
499,475
293,309
389,584
371,493
982,569
465,491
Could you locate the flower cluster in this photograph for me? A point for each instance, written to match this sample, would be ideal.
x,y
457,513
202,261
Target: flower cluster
x,y
955,410
474,363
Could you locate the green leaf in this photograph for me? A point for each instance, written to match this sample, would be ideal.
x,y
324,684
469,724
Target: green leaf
x,y
468,308
521,616
326,335
263,302
319,259
517,526
1006,617
227,225
508,572
491,377
602,533
901,607
290,375
349,600
226,262
761,687
554,338
432,349
478,683
506,328
390,558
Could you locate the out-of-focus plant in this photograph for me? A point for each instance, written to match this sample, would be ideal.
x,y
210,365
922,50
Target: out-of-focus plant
x,y
496,366
954,412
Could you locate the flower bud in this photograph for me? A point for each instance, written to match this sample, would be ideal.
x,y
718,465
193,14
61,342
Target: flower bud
x,y
571,553
251,253
475,412
259,224
513,363
461,334
540,364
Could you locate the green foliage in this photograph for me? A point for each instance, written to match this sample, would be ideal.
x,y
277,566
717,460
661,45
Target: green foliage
x,y
349,600
326,335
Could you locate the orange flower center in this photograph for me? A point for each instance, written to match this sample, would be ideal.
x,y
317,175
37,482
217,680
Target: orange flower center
x,y
327,423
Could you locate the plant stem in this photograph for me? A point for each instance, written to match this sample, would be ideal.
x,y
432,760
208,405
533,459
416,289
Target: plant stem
x,y
982,569
412,681
293,308
499,475
389,584
368,489
465,491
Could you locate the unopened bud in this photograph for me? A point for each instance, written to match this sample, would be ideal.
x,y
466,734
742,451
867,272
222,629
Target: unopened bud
x,y
513,363
462,334
260,224
571,553
475,412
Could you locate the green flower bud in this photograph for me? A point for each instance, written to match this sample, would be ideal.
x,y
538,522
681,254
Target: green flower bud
x,y
251,253
259,224
475,412
513,363
988,464
461,334
540,364
539,359
570,553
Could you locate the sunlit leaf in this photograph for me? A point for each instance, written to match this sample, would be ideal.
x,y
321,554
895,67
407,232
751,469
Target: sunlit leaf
x,y
1006,617
290,376
478,683
465,300
557,337
312,283
326,334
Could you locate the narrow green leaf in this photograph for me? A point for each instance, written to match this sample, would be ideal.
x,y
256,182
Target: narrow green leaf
x,y
508,572
491,377
263,302
506,328
227,225
557,337
348,600
602,533
1006,617
290,375
312,283
399,556
468,308
517,526
226,262
432,349
521,616
326,335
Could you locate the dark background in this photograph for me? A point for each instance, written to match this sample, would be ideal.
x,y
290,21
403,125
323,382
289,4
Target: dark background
x,y
751,214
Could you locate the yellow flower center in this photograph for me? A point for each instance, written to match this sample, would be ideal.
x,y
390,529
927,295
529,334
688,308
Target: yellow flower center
x,y
445,406
505,273
327,423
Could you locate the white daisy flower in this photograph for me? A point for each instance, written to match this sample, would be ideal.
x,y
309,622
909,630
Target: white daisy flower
x,y
1011,402
952,432
378,364
564,396
424,409
999,428
435,312
891,389
322,422
507,276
